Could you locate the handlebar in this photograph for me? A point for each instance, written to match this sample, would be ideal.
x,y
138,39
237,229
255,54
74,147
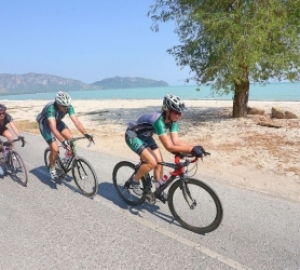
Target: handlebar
x,y
179,156
9,143
80,138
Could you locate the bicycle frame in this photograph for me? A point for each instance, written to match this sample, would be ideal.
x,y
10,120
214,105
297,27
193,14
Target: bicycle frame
x,y
10,149
178,173
67,166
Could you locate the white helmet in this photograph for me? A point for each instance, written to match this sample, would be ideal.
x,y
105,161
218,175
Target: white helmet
x,y
63,99
173,103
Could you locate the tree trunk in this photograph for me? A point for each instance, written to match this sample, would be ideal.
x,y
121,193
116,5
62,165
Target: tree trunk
x,y
240,100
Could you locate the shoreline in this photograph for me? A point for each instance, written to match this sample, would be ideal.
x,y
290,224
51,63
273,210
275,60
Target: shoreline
x,y
244,154
156,99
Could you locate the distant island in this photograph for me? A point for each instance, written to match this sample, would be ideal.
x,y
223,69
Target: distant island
x,y
29,83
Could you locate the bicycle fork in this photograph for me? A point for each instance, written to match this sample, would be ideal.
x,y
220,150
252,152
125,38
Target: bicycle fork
x,y
187,195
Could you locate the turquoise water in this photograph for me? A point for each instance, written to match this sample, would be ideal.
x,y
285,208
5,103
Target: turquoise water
x,y
275,91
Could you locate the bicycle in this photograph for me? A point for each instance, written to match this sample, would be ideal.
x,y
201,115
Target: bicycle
x,y
83,173
12,161
184,197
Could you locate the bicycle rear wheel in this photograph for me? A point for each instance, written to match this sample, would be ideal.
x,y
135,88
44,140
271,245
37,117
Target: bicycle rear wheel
x,y
85,177
202,213
18,169
122,172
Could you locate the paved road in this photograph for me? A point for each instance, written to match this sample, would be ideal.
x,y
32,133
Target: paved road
x,y
45,226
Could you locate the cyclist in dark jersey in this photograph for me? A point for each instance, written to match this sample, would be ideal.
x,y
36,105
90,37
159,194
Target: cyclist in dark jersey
x,y
139,137
5,119
52,127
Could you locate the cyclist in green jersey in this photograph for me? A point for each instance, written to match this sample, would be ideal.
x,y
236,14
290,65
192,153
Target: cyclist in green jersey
x,y
139,137
52,127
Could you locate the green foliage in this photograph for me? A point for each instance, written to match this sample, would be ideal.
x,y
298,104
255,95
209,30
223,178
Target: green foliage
x,y
227,43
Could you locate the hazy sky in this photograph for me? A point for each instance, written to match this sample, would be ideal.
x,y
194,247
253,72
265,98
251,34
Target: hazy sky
x,y
87,40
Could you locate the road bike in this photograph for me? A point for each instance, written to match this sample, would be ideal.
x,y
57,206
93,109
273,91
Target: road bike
x,y
192,203
12,162
83,173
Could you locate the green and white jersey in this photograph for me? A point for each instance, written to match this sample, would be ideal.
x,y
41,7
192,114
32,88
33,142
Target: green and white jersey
x,y
152,123
51,111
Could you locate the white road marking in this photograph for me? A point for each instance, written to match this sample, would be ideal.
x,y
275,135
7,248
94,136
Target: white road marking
x,y
182,240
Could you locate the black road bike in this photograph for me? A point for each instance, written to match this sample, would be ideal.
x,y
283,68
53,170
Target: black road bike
x,y
83,173
192,203
12,162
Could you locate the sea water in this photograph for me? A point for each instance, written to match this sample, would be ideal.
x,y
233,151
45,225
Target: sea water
x,y
284,91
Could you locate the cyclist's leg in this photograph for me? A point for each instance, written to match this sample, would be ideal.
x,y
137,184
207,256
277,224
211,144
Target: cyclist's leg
x,y
149,158
140,147
7,134
54,152
156,153
65,132
51,140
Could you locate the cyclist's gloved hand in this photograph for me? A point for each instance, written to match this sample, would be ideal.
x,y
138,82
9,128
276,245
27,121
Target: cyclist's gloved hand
x,y
198,151
89,137
65,144
21,138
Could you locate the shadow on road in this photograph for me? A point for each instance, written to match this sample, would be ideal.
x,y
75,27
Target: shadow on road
x,y
107,191
42,174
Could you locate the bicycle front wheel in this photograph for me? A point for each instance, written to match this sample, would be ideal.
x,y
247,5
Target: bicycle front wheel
x,y
195,205
18,169
122,173
85,177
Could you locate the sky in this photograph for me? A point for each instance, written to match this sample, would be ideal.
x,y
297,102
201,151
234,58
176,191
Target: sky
x,y
87,40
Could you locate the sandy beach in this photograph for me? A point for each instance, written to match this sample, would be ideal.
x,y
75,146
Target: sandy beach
x,y
244,153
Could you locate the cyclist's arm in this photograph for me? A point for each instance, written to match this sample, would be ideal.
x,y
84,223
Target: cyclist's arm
x,y
172,147
56,133
14,128
175,139
170,143
78,124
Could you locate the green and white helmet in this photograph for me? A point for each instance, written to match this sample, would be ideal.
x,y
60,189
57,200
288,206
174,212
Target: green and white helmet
x,y
174,103
63,99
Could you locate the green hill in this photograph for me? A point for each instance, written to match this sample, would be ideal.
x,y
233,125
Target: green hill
x,y
127,82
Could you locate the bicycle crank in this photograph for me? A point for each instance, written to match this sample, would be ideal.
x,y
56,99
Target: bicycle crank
x,y
150,197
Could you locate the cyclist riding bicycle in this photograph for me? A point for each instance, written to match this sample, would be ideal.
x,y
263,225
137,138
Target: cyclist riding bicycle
x,y
52,127
5,119
139,138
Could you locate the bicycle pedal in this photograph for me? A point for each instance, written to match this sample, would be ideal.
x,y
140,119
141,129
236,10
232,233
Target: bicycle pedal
x,y
150,198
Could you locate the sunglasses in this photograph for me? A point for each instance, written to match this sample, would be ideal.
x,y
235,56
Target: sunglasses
x,y
177,113
2,113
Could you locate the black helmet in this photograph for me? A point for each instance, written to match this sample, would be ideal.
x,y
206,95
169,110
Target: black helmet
x,y
3,107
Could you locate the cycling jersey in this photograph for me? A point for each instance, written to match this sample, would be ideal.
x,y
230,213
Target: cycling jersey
x,y
51,111
152,123
139,133
7,119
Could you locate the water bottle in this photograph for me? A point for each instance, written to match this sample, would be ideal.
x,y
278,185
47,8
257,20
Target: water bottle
x,y
165,178
162,181
67,156
5,153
